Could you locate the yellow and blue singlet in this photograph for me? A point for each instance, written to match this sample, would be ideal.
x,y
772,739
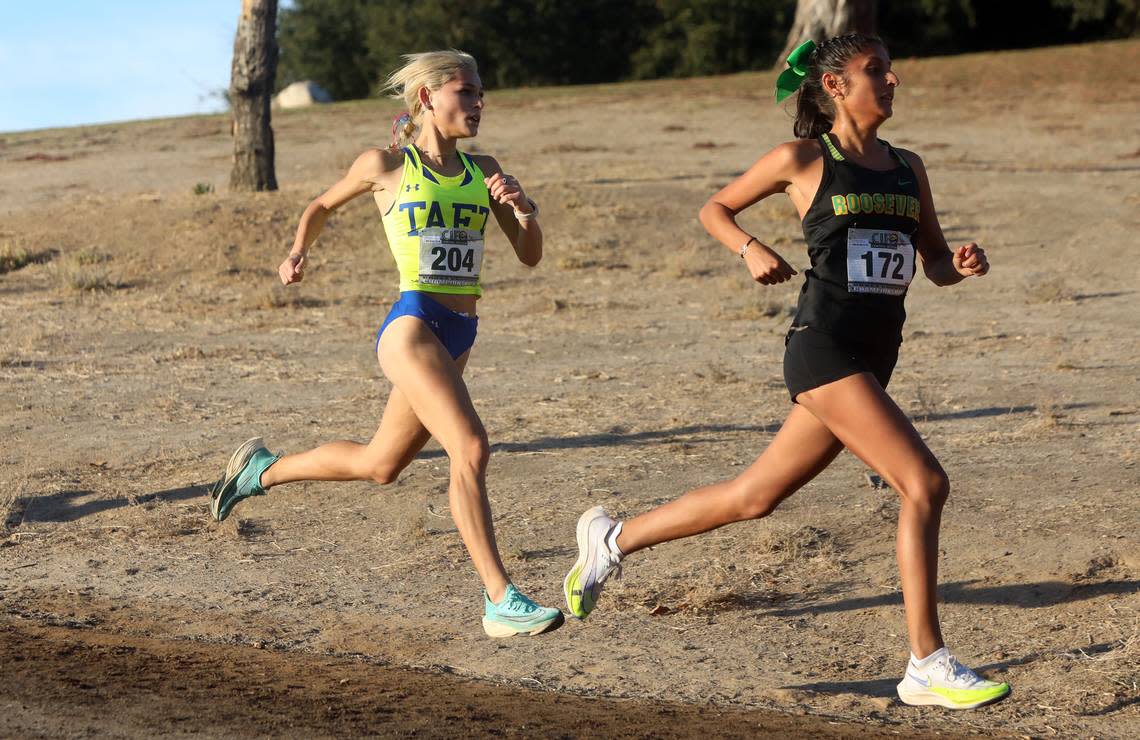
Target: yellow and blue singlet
x,y
435,227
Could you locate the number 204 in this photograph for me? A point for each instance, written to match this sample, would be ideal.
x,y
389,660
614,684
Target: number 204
x,y
888,259
452,259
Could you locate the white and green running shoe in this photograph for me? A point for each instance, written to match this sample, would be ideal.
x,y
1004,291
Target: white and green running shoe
x,y
943,681
595,564
516,614
242,478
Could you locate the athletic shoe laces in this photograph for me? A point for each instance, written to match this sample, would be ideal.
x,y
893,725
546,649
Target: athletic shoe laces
x,y
957,674
520,604
611,567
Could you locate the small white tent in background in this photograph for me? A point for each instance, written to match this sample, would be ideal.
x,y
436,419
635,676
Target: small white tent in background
x,y
301,94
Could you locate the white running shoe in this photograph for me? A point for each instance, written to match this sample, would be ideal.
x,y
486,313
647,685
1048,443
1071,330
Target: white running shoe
x,y
595,564
946,682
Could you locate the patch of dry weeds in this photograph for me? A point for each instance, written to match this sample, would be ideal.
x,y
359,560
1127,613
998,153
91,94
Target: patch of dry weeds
x,y
85,270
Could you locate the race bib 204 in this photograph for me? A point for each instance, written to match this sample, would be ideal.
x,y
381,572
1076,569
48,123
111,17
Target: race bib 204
x,y
879,261
450,256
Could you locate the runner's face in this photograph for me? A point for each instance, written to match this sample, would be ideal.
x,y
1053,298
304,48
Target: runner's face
x,y
457,106
869,91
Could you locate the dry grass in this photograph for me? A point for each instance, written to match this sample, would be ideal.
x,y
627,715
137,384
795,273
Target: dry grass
x,y
249,529
1046,418
513,552
84,271
784,546
925,402
782,557
276,296
14,257
583,255
90,256
1116,669
758,306
414,526
182,521
1049,290
745,300
688,259
179,354
10,513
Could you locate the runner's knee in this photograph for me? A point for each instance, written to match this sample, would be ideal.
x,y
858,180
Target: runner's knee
x,y
928,488
753,502
471,453
384,473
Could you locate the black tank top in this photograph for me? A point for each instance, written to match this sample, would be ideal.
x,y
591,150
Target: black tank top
x,y
860,233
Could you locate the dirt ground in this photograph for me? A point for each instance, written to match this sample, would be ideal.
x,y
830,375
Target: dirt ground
x,y
144,338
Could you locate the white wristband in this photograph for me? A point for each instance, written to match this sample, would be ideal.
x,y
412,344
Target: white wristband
x,y
744,248
527,216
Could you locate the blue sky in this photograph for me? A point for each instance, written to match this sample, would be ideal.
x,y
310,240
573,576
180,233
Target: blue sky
x,y
72,62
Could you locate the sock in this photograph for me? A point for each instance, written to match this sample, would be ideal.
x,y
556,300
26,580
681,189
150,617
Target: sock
x,y
611,540
928,659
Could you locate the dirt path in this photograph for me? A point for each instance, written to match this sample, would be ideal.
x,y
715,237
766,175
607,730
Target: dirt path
x,y
67,682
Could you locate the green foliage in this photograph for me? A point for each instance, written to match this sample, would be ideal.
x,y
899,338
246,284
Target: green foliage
x,y
538,43
953,26
326,41
712,37
350,46
1118,17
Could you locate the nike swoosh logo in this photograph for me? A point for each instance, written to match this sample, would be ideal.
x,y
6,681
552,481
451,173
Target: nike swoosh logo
x,y
904,182
918,680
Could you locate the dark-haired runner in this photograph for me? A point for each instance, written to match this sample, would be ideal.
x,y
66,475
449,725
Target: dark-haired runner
x,y
867,213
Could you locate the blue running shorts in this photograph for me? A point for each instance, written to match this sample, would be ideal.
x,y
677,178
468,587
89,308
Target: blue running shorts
x,y
455,331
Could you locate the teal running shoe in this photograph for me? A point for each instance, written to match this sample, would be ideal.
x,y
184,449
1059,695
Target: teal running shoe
x,y
242,478
517,615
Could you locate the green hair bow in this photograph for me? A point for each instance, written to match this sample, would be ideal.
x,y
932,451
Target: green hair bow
x,y
790,79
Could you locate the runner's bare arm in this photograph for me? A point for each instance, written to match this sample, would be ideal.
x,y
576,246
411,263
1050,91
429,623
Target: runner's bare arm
x,y
773,173
507,196
941,265
371,171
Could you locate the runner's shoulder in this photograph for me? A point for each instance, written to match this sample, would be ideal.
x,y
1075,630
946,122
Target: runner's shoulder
x,y
795,156
377,161
911,158
488,164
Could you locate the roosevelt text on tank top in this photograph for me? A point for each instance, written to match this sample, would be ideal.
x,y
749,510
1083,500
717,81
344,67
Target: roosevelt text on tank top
x,y
860,231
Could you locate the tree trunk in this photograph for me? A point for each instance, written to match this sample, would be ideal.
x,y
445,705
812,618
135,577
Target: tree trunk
x,y
819,20
251,86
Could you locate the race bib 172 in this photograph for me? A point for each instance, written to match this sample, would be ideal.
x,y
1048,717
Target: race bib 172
x,y
879,261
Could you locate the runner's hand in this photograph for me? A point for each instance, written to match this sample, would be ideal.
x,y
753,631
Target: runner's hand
x,y
767,267
970,259
292,270
506,189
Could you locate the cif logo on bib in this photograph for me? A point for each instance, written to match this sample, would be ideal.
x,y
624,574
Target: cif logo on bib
x,y
450,256
879,261
885,239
